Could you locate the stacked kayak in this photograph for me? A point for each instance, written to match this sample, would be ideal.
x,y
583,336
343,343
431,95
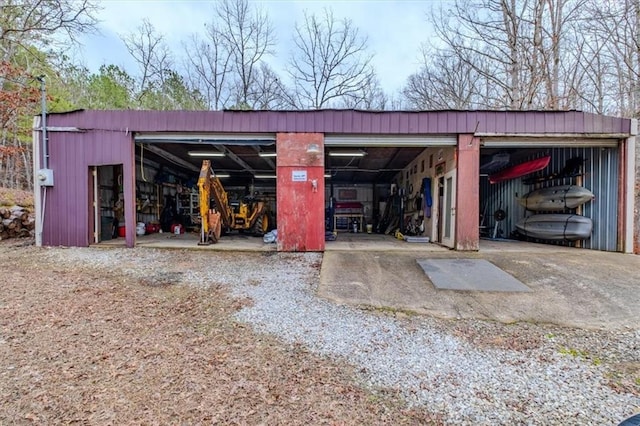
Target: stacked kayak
x,y
556,227
556,198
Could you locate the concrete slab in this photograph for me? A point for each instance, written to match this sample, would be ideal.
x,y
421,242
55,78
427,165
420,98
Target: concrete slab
x,y
377,242
230,242
469,274
569,287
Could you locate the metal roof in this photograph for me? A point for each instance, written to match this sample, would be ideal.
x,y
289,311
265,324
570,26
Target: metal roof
x,y
391,138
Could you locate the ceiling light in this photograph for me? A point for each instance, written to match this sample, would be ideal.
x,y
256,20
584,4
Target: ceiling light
x,y
222,175
264,176
267,154
347,154
206,154
327,175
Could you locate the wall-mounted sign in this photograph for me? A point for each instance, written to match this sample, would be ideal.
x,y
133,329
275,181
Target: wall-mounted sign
x,y
299,175
347,194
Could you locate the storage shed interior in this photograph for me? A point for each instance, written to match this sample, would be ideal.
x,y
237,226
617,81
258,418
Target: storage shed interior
x,y
374,189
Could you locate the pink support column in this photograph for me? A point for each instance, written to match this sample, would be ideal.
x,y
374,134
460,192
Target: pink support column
x,y
468,193
300,191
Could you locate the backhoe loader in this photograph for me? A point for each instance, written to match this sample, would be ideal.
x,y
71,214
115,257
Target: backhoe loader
x,y
247,214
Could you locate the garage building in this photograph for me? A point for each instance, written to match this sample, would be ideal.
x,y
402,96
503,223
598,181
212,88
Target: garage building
x,y
449,177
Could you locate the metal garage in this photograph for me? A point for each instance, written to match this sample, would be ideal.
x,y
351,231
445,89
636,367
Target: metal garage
x,y
308,160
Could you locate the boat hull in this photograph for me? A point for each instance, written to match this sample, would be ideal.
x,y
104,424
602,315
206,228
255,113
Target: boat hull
x,y
520,170
556,198
556,227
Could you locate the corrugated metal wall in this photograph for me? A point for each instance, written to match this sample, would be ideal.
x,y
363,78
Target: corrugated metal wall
x,y
346,121
67,219
600,177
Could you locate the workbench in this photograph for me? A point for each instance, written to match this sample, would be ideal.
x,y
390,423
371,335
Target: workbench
x,y
350,217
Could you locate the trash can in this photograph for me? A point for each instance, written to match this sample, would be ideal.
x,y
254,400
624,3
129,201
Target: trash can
x,y
106,228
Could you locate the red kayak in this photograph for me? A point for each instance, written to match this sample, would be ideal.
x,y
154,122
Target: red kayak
x,y
520,169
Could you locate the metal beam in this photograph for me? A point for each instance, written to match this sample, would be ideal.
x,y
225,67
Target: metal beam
x,y
388,163
266,159
235,158
173,158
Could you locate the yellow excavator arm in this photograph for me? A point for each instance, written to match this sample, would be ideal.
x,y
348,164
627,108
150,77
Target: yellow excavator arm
x,y
212,219
250,216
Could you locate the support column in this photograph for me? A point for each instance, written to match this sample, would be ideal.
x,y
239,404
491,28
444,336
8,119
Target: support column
x,y
468,193
632,187
300,191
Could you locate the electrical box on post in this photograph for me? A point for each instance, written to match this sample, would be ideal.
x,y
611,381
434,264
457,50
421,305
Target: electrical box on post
x,y
45,177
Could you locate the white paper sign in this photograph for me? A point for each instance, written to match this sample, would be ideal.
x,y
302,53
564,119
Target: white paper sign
x,y
299,175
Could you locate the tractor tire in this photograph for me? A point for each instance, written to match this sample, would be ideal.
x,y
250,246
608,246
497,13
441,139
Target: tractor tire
x,y
260,226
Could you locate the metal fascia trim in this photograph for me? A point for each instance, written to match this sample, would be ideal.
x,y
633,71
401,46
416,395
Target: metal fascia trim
x,y
211,138
546,143
390,140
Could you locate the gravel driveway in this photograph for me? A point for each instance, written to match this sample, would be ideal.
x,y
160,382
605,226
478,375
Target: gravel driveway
x,y
466,371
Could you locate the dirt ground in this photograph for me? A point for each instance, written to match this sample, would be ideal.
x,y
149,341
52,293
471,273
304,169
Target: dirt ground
x,y
84,346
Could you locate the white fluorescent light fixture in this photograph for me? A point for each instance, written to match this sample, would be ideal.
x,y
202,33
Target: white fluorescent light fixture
x,y
206,154
267,154
327,175
347,154
264,176
222,175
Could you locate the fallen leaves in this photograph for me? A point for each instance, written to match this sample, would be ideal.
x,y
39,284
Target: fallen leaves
x,y
88,346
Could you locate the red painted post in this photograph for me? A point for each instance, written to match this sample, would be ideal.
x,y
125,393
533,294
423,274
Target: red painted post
x,y
468,194
300,191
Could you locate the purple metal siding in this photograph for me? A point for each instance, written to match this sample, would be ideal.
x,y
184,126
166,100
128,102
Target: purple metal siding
x,y
67,205
346,121
109,140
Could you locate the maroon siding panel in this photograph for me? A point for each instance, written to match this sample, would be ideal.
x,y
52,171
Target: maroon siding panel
x,y
67,205
345,121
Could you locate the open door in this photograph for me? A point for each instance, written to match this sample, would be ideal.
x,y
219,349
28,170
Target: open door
x,y
448,219
105,202
94,213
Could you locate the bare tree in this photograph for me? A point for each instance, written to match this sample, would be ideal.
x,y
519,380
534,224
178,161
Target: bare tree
x,y
208,67
248,35
226,63
330,63
25,23
369,97
443,82
616,28
523,49
268,92
149,50
491,37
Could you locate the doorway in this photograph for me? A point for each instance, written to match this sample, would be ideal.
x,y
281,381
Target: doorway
x,y
448,209
106,209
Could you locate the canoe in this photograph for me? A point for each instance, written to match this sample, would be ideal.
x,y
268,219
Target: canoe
x,y
521,169
556,198
556,227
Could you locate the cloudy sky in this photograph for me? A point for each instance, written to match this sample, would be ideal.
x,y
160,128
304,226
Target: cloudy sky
x,y
395,29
